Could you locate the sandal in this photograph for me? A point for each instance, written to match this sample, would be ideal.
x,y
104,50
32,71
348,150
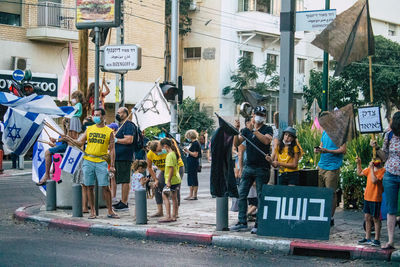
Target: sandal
x,y
41,183
91,217
113,216
187,198
165,220
388,247
155,215
193,198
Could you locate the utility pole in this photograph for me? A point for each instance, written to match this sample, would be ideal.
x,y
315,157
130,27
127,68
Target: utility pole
x,y
174,63
287,28
122,37
119,78
83,62
325,74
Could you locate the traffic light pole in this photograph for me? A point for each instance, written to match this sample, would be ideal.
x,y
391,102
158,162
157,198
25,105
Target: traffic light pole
x,y
174,63
325,74
288,18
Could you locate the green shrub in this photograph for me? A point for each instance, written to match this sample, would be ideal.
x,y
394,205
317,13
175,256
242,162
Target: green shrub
x,y
308,139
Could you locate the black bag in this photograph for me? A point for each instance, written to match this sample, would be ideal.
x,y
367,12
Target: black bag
x,y
199,166
138,140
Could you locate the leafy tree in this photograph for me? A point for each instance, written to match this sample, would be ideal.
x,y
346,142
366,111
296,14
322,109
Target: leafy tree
x,y
385,75
341,91
191,116
246,78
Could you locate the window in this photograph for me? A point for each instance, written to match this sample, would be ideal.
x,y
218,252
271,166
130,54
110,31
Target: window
x,y
273,60
301,65
392,29
264,6
247,54
319,65
10,13
192,53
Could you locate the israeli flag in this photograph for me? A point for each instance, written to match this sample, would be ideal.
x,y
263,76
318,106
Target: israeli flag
x,y
21,130
35,103
72,158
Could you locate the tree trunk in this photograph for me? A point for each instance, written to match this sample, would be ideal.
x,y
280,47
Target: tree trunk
x,y
83,66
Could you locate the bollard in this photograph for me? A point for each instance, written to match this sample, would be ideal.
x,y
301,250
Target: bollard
x,y
222,214
21,163
1,161
76,200
51,195
141,206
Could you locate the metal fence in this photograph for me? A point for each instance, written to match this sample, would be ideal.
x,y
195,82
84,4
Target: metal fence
x,y
51,14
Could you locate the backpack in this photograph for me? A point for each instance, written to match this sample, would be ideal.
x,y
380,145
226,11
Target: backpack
x,y
138,139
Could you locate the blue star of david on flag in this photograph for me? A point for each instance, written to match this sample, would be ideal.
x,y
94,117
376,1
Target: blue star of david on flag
x,y
10,132
71,160
72,157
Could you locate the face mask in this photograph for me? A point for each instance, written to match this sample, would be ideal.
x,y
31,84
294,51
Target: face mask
x,y
163,151
188,140
96,119
259,119
73,101
118,117
286,143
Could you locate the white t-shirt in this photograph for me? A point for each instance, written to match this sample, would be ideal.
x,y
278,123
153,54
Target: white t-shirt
x,y
135,184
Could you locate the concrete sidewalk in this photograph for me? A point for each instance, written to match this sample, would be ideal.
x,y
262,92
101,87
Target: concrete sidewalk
x,y
197,222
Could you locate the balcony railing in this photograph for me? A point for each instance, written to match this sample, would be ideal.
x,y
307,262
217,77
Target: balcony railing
x,y
49,14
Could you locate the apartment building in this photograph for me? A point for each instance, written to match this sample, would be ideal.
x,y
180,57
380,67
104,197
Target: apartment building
x,y
222,31
34,34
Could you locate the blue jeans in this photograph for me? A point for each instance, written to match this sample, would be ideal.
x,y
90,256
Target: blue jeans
x,y
249,175
391,185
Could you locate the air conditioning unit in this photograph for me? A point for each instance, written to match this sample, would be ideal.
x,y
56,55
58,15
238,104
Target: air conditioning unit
x,y
20,63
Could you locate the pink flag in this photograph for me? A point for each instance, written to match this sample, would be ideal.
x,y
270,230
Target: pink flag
x,y
316,125
70,74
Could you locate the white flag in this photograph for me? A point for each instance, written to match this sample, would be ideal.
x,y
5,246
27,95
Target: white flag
x,y
152,110
71,159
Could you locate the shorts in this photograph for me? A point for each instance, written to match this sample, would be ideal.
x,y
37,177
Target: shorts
x,y
372,208
95,170
58,149
123,171
391,185
328,179
253,201
289,178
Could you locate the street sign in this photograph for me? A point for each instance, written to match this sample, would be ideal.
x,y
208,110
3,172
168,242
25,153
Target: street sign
x,y
295,212
120,58
314,20
18,75
369,119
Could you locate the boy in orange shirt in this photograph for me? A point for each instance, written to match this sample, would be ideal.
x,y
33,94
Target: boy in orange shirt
x,y
372,199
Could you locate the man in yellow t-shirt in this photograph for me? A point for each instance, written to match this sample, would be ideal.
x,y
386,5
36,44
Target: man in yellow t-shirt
x,y
100,143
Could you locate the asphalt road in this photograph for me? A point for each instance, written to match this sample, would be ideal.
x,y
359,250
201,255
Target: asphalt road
x,y
34,245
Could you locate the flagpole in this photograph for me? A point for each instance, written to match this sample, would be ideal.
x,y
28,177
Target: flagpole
x,y
69,76
371,95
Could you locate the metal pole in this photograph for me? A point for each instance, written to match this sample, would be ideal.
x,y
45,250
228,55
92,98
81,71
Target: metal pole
x,y
96,100
122,35
371,96
222,214
174,63
287,28
325,74
76,200
51,195
141,207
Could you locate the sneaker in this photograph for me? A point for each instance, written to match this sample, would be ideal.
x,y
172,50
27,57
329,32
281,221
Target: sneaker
x,y
115,201
254,230
239,227
332,222
376,243
364,241
121,206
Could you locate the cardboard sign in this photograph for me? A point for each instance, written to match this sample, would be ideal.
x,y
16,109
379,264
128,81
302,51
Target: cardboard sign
x,y
370,120
295,211
314,20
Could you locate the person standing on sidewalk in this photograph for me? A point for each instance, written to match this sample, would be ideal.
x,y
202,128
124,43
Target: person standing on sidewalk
x,y
124,149
391,179
193,157
329,166
100,144
256,168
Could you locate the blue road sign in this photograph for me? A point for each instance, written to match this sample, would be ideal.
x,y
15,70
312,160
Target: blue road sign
x,y
18,75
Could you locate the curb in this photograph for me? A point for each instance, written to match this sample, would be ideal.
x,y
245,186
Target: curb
x,y
277,246
165,235
286,247
349,252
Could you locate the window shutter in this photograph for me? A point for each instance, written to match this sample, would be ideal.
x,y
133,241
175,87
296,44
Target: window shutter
x,y
240,5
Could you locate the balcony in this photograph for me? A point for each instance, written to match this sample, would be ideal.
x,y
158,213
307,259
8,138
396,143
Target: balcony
x,y
52,22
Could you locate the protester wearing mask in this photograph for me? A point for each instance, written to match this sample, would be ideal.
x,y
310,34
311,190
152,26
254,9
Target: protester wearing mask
x,y
124,147
193,157
286,157
256,168
100,146
157,156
